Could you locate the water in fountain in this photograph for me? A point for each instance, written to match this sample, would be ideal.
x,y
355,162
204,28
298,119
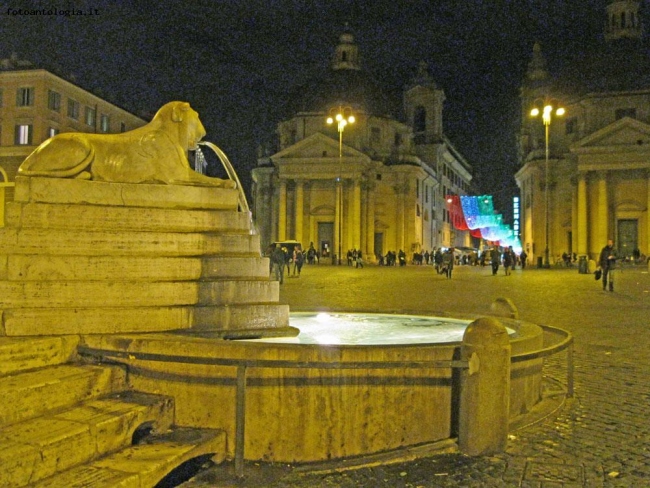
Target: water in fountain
x,y
372,329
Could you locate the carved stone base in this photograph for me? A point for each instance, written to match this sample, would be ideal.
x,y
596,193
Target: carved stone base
x,y
84,257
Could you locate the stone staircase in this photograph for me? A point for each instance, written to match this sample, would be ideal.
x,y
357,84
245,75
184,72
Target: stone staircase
x,y
64,423
82,259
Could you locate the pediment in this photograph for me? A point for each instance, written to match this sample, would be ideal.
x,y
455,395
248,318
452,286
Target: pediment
x,y
317,146
624,132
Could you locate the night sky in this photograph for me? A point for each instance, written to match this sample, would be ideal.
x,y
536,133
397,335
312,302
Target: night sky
x,y
235,61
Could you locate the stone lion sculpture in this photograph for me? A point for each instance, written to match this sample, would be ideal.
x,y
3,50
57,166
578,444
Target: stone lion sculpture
x,y
154,153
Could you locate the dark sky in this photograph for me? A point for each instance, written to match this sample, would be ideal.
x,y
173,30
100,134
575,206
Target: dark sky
x,y
235,60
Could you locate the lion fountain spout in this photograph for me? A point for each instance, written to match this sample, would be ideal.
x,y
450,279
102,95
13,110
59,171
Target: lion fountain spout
x,y
154,153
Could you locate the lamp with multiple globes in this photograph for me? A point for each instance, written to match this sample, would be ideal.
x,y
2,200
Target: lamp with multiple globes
x,y
550,108
342,116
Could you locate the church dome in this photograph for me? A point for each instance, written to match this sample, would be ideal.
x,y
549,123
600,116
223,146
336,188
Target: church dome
x,y
344,83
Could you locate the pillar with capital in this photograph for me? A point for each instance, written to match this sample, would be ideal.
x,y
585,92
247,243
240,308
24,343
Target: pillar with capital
x,y
582,242
282,211
355,216
647,250
299,210
602,215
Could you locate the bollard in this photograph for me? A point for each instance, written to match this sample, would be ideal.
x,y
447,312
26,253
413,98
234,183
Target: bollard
x,y
485,388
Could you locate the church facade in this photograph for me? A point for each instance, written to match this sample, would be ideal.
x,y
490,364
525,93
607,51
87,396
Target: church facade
x,y
585,176
377,184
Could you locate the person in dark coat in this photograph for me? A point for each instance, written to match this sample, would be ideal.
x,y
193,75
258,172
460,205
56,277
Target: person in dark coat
x,y
495,260
278,263
607,261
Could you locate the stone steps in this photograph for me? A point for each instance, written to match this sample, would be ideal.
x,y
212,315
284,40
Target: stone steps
x,y
19,354
35,267
41,447
101,243
61,294
73,191
27,395
143,465
94,320
117,219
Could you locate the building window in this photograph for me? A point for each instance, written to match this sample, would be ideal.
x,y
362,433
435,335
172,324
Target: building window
x,y
25,97
378,176
375,135
52,131
571,125
122,127
23,135
398,139
420,119
73,109
104,123
54,101
625,112
90,116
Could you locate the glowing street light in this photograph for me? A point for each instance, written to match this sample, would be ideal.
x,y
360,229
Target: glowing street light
x,y
342,116
548,111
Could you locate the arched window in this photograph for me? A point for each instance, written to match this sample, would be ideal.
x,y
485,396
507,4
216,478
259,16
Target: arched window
x,y
622,20
420,119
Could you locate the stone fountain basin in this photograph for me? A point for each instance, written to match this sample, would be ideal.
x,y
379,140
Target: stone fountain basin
x,y
316,402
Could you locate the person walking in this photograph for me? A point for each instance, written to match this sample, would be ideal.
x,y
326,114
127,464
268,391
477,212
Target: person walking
x,y
448,262
495,260
278,263
298,260
508,260
608,257
522,258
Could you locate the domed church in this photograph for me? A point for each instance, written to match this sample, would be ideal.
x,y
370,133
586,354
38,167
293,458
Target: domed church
x,y
585,173
375,180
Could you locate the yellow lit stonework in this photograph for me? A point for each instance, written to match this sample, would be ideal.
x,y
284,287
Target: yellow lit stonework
x,y
155,153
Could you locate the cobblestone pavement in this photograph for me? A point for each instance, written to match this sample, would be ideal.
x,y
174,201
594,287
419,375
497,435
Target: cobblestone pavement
x,y
600,438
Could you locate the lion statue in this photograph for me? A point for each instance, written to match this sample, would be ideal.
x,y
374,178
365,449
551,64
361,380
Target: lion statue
x,y
154,153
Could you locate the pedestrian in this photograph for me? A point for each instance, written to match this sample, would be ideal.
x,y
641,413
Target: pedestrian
x,y
495,260
522,257
608,257
298,260
508,260
359,259
448,262
437,258
277,263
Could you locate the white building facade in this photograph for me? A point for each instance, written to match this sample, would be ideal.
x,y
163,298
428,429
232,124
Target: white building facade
x,y
377,186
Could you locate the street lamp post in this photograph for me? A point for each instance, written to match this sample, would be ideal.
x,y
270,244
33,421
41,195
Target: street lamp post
x,y
548,110
342,116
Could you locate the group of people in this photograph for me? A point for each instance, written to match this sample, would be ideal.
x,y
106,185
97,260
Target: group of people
x,y
280,257
355,258
508,258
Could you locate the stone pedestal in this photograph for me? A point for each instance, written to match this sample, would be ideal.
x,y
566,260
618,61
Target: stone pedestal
x,y
87,257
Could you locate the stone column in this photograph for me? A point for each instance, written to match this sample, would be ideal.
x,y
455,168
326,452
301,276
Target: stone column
x,y
602,215
299,210
337,221
356,215
485,388
400,193
581,226
282,211
370,223
647,250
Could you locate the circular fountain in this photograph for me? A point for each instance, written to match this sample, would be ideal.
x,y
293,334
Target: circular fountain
x,y
346,385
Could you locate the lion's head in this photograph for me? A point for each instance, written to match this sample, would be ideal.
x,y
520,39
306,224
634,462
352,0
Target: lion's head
x,y
190,128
